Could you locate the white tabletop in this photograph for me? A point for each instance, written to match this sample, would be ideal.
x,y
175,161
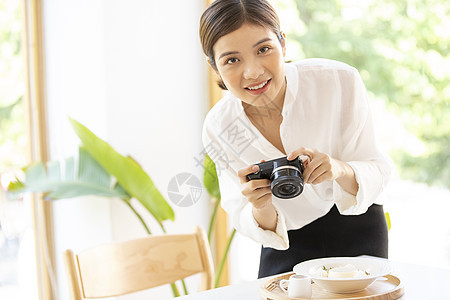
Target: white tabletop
x,y
419,282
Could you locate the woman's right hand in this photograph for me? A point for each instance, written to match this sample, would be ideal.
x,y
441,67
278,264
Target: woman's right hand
x,y
256,191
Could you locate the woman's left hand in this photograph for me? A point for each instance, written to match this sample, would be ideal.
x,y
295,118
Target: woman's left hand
x,y
319,166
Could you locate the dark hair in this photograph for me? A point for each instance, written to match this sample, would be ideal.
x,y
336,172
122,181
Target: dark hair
x,y
225,16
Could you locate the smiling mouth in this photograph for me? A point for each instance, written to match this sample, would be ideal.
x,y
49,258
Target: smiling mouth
x,y
257,87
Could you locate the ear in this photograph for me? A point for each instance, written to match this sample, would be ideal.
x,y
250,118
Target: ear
x,y
213,66
283,43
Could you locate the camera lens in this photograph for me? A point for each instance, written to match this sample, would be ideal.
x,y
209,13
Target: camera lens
x,y
287,189
287,182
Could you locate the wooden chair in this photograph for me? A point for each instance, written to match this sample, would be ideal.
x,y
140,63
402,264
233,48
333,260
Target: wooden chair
x,y
123,268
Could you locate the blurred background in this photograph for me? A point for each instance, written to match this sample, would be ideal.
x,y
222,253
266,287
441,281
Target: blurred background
x,y
133,72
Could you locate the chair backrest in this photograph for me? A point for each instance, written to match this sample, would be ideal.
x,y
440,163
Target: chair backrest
x,y
127,267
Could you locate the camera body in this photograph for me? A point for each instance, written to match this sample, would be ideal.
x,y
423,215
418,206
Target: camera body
x,y
286,176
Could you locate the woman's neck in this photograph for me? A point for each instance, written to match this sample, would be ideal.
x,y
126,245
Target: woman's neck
x,y
264,114
270,111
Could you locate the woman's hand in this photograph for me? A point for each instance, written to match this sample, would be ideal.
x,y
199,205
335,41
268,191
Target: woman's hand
x,y
259,194
320,167
258,191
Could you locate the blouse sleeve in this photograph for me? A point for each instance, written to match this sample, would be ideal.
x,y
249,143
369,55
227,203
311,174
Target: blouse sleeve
x,y
234,203
358,148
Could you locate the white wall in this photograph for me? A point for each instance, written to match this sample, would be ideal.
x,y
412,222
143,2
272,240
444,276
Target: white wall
x,y
134,74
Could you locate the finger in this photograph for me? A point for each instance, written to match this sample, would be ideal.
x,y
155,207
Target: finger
x,y
301,151
242,173
319,160
310,168
253,185
317,176
320,167
326,176
263,201
256,194
262,198
253,195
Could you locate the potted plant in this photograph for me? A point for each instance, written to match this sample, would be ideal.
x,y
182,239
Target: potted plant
x,y
100,170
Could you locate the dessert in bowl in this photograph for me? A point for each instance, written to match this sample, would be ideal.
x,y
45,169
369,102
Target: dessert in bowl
x,y
344,274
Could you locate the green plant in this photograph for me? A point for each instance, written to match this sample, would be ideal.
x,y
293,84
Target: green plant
x,y
211,183
5,111
97,170
100,170
128,173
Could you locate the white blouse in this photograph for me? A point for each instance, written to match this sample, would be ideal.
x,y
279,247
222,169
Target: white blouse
x,y
326,107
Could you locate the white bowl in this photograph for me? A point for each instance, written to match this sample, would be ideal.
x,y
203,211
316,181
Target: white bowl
x,y
375,267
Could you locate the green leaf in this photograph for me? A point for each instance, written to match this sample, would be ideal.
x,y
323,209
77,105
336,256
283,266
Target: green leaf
x,y
5,111
16,186
127,172
211,183
210,179
61,180
90,169
36,173
120,190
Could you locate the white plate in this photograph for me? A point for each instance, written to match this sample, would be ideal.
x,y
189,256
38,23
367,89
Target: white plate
x,y
375,267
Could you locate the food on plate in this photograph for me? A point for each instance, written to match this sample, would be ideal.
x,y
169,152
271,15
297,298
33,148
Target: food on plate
x,y
341,271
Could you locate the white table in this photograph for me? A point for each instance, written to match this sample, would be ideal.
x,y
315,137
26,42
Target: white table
x,y
419,282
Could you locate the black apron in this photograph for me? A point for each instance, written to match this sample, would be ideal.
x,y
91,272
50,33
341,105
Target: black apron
x,y
332,235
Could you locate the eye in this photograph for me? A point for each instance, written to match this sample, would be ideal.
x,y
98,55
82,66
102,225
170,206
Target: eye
x,y
263,50
231,61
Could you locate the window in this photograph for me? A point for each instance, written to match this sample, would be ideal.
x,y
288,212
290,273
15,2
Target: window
x,y
401,51
17,257
25,258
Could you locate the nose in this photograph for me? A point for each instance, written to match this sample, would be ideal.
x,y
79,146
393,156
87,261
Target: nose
x,y
253,70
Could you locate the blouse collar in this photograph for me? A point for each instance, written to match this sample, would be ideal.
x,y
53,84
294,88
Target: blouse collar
x,y
291,87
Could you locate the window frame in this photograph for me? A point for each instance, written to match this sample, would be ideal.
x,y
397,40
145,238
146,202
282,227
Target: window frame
x,y
42,220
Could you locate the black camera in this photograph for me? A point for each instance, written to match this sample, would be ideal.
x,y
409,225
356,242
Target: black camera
x,y
286,176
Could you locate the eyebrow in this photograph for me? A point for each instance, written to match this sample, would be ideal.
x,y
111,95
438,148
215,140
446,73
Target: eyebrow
x,y
228,53
236,52
262,41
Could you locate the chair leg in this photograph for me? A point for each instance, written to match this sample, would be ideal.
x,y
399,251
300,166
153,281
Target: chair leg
x,y
70,264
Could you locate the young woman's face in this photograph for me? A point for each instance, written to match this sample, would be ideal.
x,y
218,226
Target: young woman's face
x,y
250,61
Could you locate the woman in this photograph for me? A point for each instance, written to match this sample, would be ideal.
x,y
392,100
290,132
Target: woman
x,y
317,109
